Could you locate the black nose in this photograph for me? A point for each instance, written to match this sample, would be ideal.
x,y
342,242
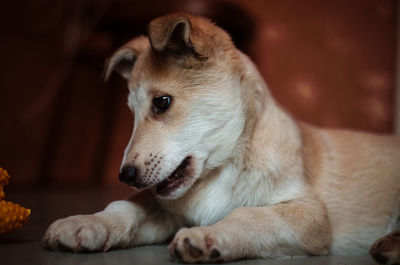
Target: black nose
x,y
128,175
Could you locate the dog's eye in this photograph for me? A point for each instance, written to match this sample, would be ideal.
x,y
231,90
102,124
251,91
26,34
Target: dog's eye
x,y
161,104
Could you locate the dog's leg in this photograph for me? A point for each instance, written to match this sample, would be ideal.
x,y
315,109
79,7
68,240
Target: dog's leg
x,y
386,250
298,227
121,224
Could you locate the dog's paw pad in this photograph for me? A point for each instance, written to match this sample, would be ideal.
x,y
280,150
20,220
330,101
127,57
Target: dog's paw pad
x,y
386,250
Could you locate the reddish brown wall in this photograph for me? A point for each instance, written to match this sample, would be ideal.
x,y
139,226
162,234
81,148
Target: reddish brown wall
x,y
330,62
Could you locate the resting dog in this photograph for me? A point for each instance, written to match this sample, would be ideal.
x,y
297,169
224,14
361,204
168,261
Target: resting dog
x,y
225,169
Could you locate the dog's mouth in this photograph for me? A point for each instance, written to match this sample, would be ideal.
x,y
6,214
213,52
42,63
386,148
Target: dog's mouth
x,y
176,179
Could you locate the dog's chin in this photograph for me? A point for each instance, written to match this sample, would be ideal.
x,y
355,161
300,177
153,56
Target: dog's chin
x,y
178,182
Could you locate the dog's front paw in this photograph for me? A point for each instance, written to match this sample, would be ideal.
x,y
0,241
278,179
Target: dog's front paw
x,y
80,233
197,245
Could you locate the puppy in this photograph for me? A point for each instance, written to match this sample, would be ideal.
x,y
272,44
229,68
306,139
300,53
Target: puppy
x,y
220,165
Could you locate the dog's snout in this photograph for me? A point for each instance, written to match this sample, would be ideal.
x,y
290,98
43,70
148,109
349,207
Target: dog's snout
x,y
128,175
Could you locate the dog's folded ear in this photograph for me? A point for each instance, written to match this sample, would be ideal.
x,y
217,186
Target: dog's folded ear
x,y
170,32
174,33
123,60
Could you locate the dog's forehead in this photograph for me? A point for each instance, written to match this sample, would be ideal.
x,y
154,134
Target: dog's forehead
x,y
147,70
147,79
151,74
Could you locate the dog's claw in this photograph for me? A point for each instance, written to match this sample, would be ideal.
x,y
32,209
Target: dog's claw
x,y
178,254
215,254
194,251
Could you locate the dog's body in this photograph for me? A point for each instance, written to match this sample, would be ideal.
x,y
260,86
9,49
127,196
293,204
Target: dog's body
x,y
212,150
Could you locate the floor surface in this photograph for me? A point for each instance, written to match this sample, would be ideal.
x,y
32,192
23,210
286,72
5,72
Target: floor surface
x,y
24,246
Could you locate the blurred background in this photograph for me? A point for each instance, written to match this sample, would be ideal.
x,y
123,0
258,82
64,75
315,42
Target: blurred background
x,y
330,63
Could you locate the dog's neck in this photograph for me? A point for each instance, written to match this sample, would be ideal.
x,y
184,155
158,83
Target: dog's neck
x,y
262,154
261,144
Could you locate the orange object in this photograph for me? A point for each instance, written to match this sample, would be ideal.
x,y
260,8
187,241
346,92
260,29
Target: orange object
x,y
12,215
2,194
4,177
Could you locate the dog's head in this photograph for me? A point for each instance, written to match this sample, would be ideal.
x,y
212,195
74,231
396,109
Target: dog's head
x,y
185,94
